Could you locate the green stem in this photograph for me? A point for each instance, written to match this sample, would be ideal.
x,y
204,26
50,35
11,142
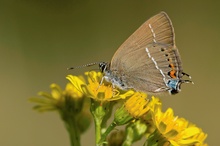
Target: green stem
x,y
108,130
98,113
74,133
98,124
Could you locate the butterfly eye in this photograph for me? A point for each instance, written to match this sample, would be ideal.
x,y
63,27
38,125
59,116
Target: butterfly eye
x,y
166,55
102,66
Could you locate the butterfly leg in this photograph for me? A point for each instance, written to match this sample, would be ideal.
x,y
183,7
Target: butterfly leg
x,y
100,83
104,77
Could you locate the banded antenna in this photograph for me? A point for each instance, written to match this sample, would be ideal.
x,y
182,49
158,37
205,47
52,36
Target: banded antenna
x,y
85,65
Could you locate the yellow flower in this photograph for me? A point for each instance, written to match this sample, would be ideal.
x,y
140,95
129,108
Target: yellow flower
x,y
69,103
72,91
176,131
59,99
93,89
51,101
136,105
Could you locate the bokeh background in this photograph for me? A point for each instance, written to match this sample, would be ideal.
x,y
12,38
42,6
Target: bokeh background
x,y
39,39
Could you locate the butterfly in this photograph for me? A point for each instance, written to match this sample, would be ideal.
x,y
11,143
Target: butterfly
x,y
148,61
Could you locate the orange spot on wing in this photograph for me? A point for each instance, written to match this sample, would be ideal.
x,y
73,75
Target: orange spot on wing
x,y
172,73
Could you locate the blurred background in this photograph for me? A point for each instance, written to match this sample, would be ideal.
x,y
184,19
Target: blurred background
x,y
39,39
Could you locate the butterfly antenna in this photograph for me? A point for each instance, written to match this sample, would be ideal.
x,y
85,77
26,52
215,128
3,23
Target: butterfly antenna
x,y
85,65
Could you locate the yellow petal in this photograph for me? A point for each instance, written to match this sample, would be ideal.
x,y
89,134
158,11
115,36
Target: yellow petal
x,y
76,81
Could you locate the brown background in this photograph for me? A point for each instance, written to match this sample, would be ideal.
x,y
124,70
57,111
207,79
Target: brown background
x,y
40,38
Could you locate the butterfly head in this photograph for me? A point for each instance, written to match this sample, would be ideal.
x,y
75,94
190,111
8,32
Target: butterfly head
x,y
103,66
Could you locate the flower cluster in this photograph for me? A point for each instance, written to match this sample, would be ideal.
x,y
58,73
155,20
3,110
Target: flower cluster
x,y
171,130
141,115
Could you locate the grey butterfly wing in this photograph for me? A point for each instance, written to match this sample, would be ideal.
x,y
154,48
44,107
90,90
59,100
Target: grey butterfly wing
x,y
143,75
132,62
153,74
